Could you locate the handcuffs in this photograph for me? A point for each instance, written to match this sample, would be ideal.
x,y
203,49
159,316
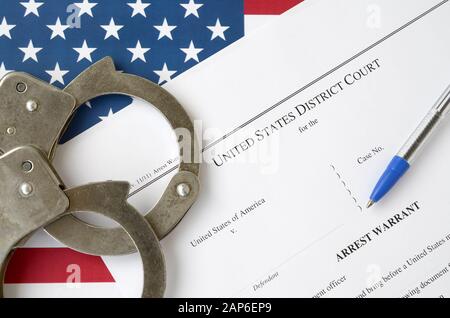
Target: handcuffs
x,y
33,116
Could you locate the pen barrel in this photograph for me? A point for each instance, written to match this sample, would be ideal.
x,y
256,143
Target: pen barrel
x,y
426,128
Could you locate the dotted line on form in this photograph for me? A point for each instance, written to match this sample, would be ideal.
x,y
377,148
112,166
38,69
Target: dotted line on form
x,y
346,187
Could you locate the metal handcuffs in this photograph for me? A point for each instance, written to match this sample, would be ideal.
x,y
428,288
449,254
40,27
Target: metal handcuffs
x,y
33,116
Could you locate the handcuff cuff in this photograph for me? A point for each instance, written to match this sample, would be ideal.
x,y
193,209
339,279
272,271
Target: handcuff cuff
x,y
33,116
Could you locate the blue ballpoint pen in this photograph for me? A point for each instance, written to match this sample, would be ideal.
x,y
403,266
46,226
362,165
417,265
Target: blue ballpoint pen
x,y
404,158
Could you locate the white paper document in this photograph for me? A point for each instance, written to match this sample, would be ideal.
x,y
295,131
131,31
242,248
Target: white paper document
x,y
297,123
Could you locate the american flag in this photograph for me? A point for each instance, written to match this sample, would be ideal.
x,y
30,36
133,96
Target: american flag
x,y
55,40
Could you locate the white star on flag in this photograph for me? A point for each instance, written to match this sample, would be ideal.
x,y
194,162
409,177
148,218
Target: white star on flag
x,y
191,8
84,52
85,7
112,29
139,8
165,30
30,52
58,29
57,75
218,30
138,52
5,28
31,7
3,70
191,52
110,115
165,75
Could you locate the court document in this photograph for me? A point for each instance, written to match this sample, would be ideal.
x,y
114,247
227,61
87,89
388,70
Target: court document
x,y
296,123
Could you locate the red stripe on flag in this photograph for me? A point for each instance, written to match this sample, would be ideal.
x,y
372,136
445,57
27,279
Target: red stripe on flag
x,y
55,265
269,6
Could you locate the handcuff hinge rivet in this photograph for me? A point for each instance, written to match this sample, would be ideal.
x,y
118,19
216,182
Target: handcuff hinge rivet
x,y
11,130
26,189
183,189
32,106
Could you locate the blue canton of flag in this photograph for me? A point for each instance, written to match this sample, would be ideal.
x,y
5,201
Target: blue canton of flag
x,y
55,40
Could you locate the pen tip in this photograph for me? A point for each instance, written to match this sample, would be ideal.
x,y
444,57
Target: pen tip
x,y
370,203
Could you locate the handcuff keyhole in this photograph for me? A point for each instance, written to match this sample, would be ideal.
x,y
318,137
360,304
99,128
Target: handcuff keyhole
x,y
21,87
27,166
